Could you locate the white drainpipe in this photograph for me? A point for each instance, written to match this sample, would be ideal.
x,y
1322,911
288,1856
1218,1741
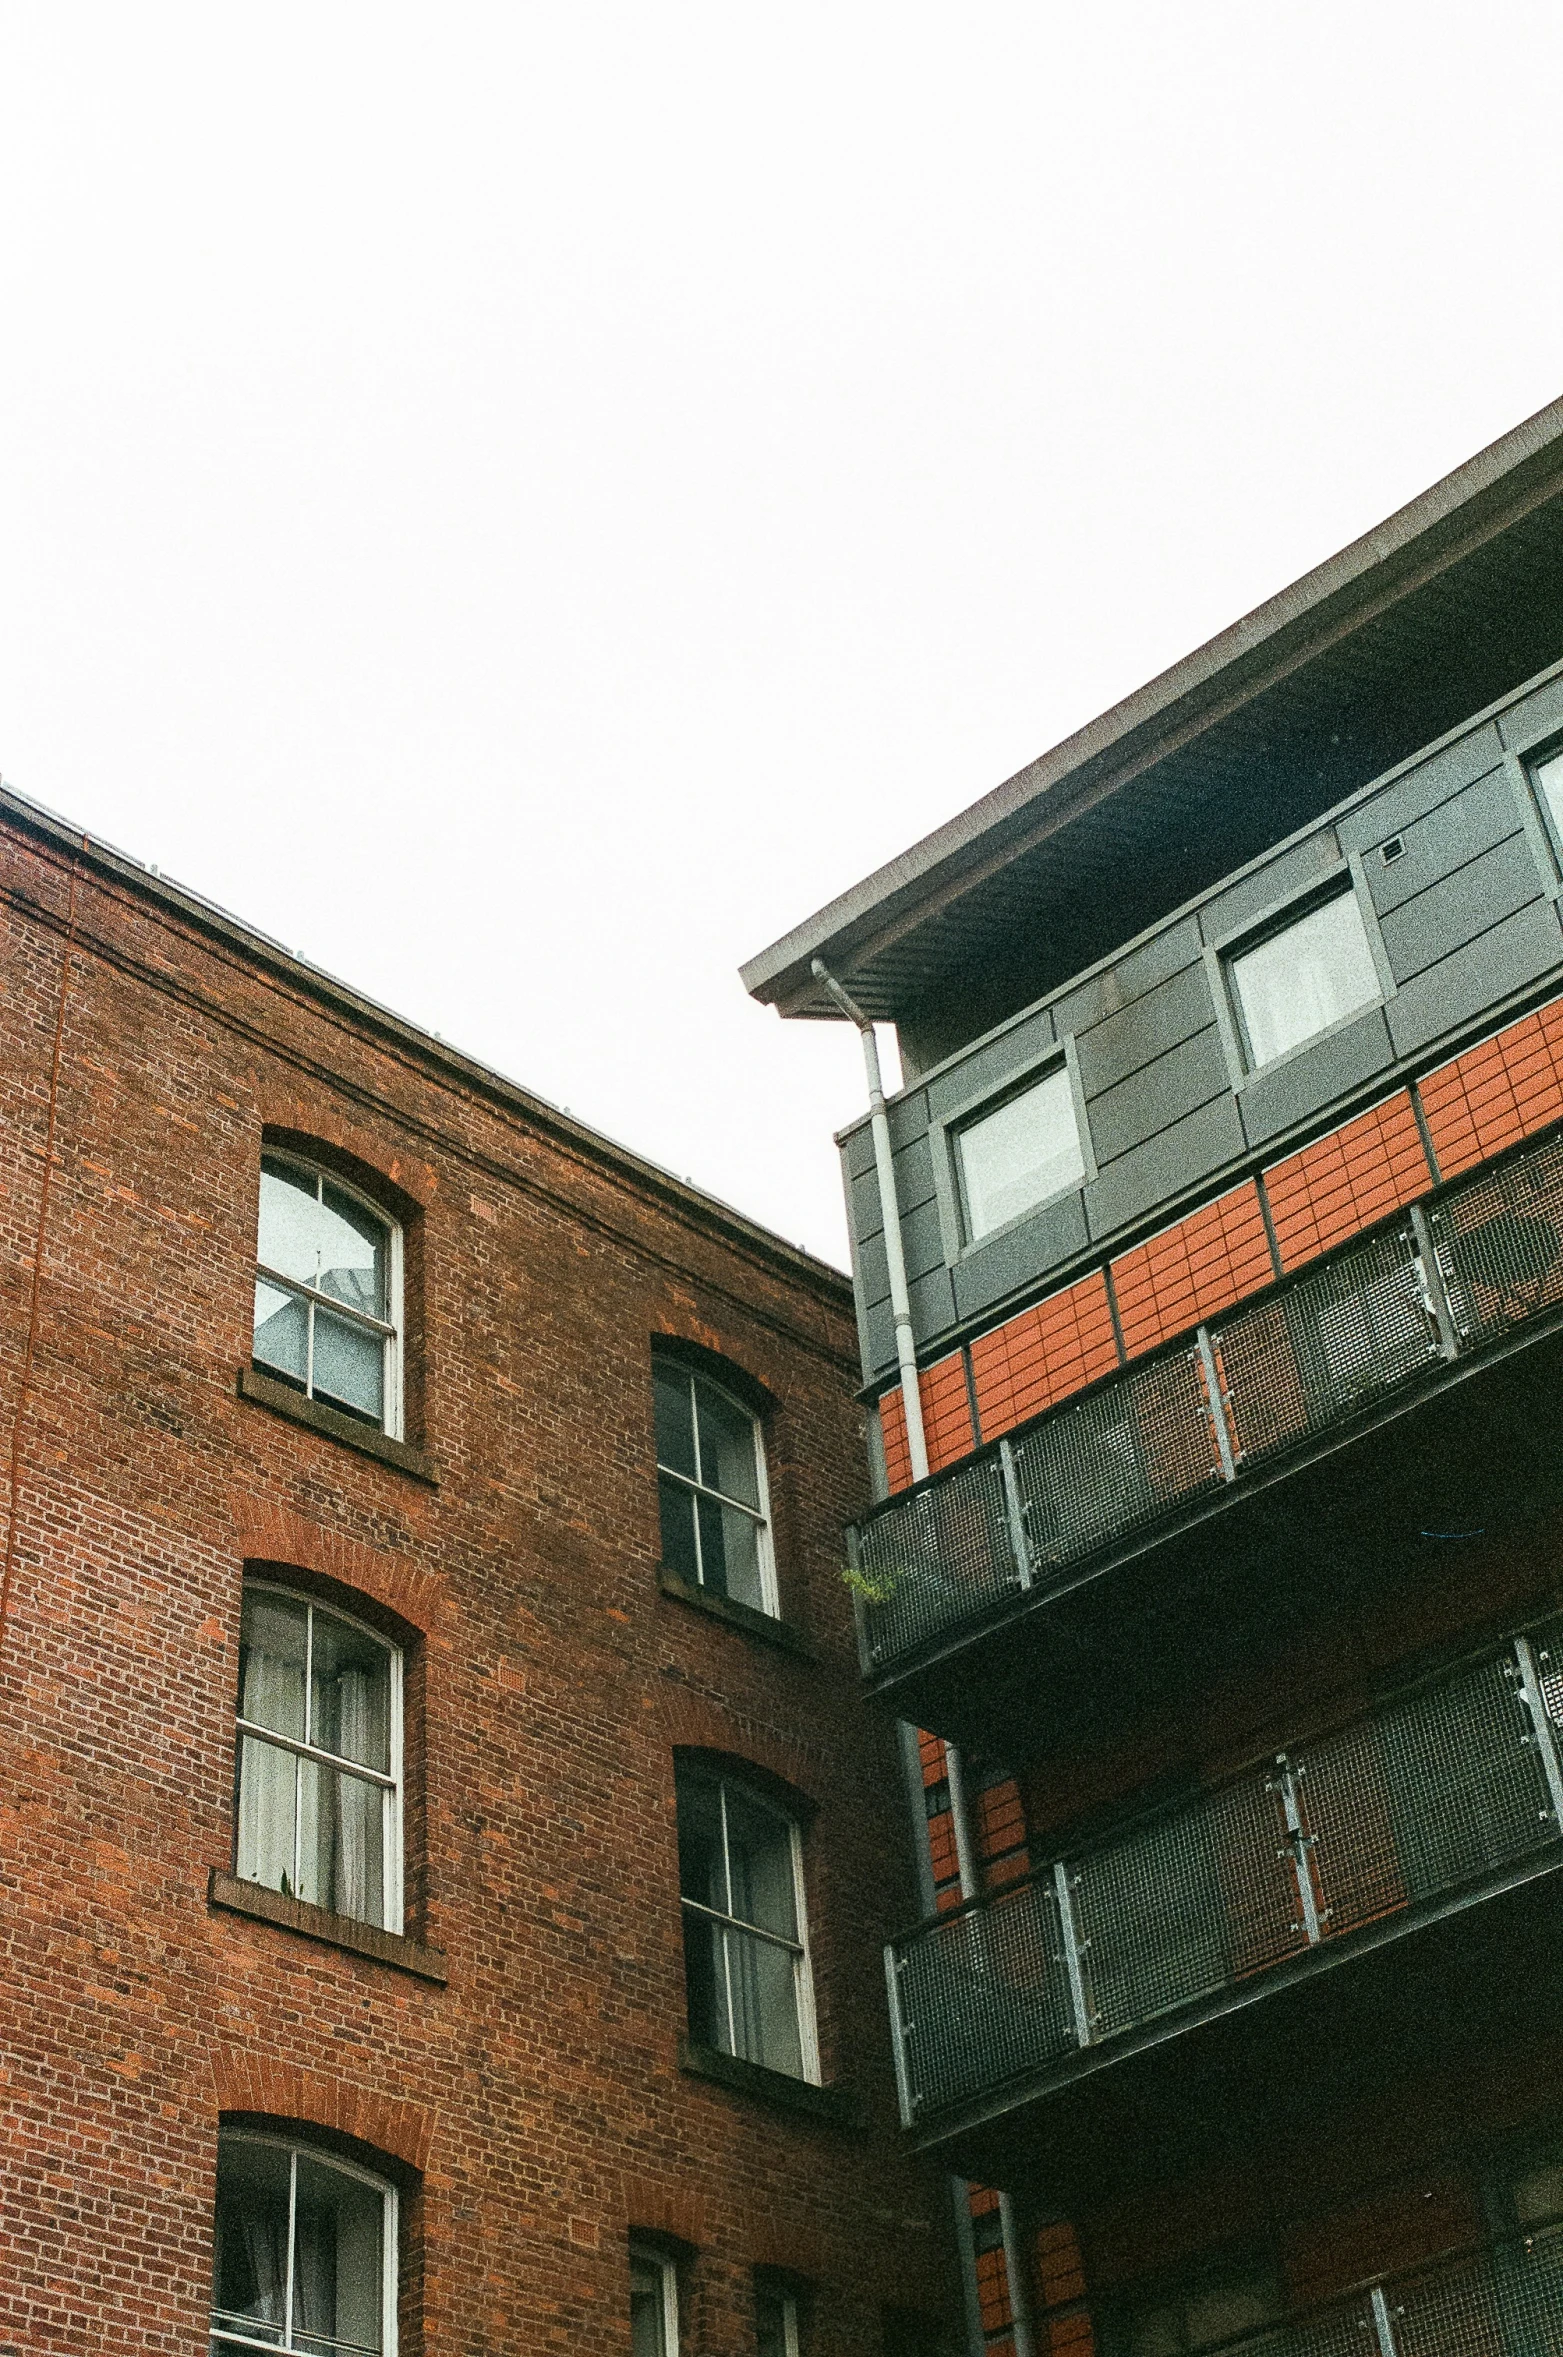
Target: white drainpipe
x,y
890,1217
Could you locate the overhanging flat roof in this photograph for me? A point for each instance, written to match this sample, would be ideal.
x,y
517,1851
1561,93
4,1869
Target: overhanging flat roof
x,y
894,936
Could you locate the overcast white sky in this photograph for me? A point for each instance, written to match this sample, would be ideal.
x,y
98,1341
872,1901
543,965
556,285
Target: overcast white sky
x,y
524,503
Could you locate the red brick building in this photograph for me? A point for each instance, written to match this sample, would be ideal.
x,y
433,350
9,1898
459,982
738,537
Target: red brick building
x,y
429,1877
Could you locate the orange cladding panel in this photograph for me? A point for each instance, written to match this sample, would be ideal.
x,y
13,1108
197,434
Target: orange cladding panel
x,y
1343,1183
1192,1270
1022,1367
1498,1092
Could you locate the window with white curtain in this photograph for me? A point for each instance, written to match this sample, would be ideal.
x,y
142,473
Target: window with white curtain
x,y
306,2252
328,1282
776,2321
653,2303
319,1757
1019,1153
746,1961
1303,977
711,1488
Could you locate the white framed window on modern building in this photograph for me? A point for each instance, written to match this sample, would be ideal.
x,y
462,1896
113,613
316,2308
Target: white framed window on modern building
x,y
328,1293
306,2252
653,2303
746,1958
776,2321
711,1488
1547,778
1302,977
1018,1154
319,1769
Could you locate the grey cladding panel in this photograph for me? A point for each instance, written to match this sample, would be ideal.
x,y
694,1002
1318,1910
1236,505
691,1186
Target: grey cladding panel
x,y
876,1333
864,1207
1158,1094
1310,1080
1481,974
1459,830
933,1303
908,1118
1165,1165
1535,719
1471,901
1306,863
874,1268
1022,1255
992,1067
1421,789
922,1240
857,1150
1128,978
1146,1028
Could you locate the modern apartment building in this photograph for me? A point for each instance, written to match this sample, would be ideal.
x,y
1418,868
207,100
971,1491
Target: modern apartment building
x,y
445,1866
1209,1275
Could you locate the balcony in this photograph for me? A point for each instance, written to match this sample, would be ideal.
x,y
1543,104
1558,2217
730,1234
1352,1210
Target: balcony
x,y
1503,2301
981,1592
1118,1995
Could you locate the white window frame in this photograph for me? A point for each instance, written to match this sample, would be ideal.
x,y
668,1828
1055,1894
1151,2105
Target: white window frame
x,y
1275,927
665,2268
390,1331
391,1819
802,1966
950,1127
224,2337
664,1364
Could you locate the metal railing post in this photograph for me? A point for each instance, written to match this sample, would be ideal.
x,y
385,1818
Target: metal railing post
x,y
1300,1843
1015,1516
1382,2326
903,2080
867,1652
1541,1723
1433,1290
1071,1940
1218,1413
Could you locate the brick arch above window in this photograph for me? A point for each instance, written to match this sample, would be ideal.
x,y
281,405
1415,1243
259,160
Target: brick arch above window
x,y
730,1373
695,1723
259,2087
285,1541
367,1159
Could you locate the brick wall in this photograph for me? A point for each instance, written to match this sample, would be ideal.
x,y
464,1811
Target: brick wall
x,y
535,2102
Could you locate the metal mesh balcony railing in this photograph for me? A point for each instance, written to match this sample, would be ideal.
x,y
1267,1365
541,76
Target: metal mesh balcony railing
x,y
1297,1363
1441,1791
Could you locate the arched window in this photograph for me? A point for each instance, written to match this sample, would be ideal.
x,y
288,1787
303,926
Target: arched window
x,y
319,1813
711,1487
306,2252
746,1956
328,1285
653,2302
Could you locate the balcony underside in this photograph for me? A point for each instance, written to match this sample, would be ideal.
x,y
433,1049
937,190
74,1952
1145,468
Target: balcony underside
x,y
1290,2062
1222,1589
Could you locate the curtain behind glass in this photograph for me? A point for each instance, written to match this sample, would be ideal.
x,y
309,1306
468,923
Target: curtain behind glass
x,y
250,2272
272,1644
338,2263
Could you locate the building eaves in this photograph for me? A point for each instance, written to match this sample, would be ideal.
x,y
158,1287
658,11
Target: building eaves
x,y
1432,531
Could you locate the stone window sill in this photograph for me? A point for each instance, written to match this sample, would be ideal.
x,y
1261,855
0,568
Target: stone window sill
x,y
737,1616
315,1416
318,1923
836,2107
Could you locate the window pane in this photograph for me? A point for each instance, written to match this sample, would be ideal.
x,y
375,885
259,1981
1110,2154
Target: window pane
x,y
701,1874
1021,1154
1549,777
341,1842
727,1446
289,1222
705,1983
765,2003
1299,982
352,1244
250,2274
350,1696
776,2324
678,1530
730,1553
281,1331
349,1366
338,2262
268,1801
759,1849
648,2310
675,1422
272,1637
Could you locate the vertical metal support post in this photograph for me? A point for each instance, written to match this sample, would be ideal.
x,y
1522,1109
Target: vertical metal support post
x,y
867,1652
971,2290
917,1814
1382,2326
1015,1516
1071,1940
1433,1290
1019,2283
965,1854
1218,1413
1546,1739
1301,1843
903,2080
